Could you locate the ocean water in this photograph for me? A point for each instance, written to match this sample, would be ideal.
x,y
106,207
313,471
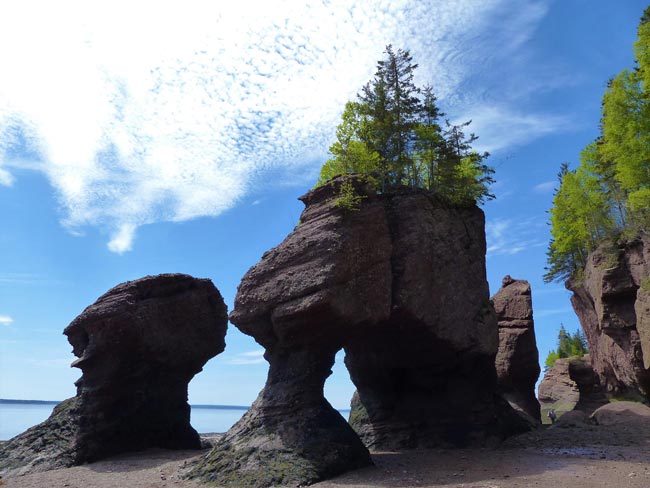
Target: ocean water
x,y
16,418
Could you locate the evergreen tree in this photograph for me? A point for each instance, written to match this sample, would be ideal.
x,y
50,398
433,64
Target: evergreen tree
x,y
392,135
568,345
608,195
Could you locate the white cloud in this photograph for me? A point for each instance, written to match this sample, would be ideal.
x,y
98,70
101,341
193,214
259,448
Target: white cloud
x,y
5,178
552,311
6,320
250,357
501,127
546,187
510,236
140,112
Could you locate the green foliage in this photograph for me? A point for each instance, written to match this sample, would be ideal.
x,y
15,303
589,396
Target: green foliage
x,y
608,195
392,135
551,358
645,284
348,200
568,345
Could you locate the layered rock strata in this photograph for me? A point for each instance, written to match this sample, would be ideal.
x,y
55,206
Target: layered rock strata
x,y
612,301
400,284
517,360
138,347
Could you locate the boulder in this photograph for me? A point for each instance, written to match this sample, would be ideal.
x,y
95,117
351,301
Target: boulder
x,y
138,347
611,301
617,413
399,283
572,419
517,360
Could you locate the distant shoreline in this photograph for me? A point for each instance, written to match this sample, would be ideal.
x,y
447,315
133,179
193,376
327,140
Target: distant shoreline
x,y
6,401
55,402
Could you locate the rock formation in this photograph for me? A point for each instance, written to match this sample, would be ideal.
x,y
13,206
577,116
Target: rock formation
x,y
617,413
612,301
400,284
138,347
517,360
45,446
571,384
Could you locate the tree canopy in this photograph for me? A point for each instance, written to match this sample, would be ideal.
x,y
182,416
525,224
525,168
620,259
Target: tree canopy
x,y
608,195
392,134
568,345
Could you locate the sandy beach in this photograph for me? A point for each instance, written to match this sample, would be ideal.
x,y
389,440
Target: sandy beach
x,y
585,456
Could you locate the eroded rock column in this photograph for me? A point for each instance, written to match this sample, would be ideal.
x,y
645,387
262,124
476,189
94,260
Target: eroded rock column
x,y
426,377
138,346
328,281
517,360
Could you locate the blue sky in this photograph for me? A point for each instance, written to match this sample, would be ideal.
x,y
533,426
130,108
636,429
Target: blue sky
x,y
160,137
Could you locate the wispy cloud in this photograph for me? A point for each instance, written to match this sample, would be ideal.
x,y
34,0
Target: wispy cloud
x,y
27,279
552,311
6,320
501,126
509,236
195,102
250,357
544,188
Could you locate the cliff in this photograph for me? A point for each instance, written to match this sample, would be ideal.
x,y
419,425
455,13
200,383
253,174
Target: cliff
x,y
612,301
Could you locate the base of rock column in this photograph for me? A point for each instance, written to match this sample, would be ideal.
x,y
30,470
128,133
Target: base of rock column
x,y
271,448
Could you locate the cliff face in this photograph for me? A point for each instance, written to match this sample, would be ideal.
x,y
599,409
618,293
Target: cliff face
x,y
571,384
612,301
517,360
400,284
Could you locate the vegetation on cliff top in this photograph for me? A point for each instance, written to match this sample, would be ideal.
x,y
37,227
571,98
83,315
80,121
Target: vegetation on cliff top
x,y
392,134
608,195
568,345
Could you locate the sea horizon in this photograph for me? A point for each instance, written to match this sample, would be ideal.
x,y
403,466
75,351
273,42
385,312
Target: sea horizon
x,y
18,415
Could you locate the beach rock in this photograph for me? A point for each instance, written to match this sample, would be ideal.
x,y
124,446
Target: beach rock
x,y
517,360
618,413
399,283
138,346
572,419
48,445
611,301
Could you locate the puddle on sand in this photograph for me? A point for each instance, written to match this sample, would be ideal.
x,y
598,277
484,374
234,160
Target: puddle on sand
x,y
583,452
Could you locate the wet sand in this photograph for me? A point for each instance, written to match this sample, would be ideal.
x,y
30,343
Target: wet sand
x,y
579,457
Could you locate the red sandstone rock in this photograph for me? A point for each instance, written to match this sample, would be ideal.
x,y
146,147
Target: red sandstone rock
x,y
517,360
614,311
138,347
400,284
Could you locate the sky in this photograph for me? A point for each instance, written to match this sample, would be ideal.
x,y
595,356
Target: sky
x,y
152,137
